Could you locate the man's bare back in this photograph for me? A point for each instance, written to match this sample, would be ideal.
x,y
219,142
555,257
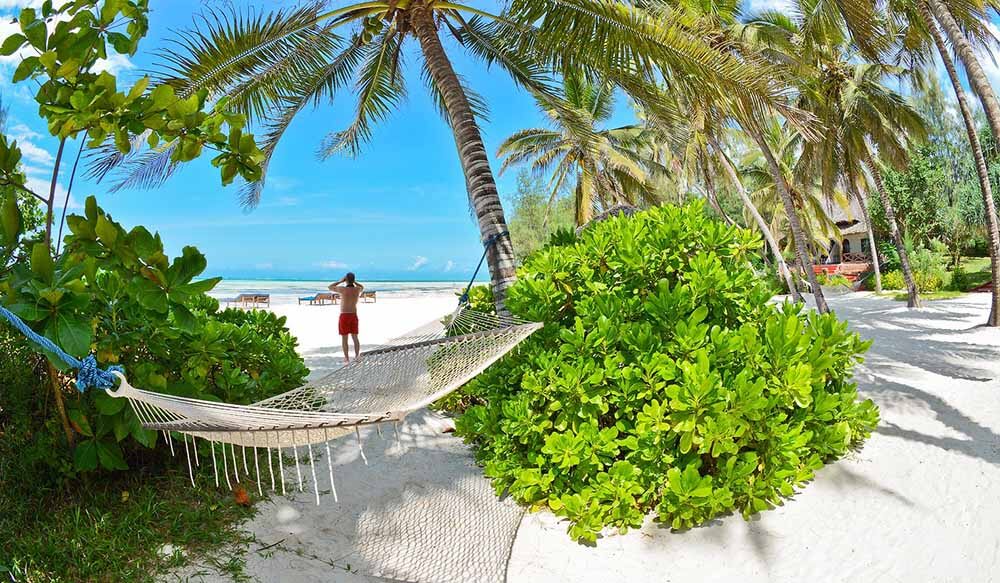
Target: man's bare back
x,y
348,297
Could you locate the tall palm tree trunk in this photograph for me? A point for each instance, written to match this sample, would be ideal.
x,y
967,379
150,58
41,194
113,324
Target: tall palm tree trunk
x,y
779,259
802,254
974,71
871,234
479,181
710,192
977,153
912,299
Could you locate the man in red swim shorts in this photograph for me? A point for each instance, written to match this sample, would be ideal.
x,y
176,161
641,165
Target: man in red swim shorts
x,y
348,326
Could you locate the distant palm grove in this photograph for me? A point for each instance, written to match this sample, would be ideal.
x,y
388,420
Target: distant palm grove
x,y
801,123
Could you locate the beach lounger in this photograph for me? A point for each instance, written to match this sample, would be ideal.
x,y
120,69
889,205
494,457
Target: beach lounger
x,y
250,301
321,299
242,300
368,295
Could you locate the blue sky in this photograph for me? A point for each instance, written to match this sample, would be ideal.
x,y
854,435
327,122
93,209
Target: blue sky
x,y
398,211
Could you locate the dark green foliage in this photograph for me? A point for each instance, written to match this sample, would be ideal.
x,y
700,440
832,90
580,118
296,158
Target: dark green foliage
x,y
664,381
116,293
918,194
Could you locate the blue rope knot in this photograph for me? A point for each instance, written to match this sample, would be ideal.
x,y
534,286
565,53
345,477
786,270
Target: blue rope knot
x,y
91,376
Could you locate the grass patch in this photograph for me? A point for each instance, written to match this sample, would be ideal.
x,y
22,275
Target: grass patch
x,y
900,296
113,528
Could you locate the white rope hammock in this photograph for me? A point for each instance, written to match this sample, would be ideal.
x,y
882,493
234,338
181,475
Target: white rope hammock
x,y
383,385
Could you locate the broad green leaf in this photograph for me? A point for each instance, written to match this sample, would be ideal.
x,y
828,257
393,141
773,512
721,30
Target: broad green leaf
x,y
85,455
80,423
29,312
25,69
10,217
107,231
11,44
108,405
110,455
41,262
71,332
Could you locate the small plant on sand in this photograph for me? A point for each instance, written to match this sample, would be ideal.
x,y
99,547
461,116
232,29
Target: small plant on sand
x,y
664,381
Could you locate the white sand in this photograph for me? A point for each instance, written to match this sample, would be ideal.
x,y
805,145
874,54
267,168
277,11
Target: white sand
x,y
316,326
920,502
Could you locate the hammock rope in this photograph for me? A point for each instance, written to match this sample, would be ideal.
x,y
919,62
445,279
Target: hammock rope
x,y
487,244
89,375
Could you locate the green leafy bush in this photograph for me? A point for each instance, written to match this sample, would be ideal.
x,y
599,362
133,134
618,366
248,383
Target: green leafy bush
x,y
663,380
926,282
116,293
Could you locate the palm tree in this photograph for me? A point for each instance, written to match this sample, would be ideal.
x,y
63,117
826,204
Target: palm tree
x,y
730,169
850,101
922,18
270,68
606,166
696,150
807,195
861,112
718,22
982,170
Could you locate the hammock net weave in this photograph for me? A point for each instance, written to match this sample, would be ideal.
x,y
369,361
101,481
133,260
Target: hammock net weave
x,y
383,385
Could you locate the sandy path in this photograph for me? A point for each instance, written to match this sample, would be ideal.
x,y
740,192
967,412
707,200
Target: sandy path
x,y
920,502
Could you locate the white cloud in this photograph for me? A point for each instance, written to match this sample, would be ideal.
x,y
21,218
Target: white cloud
x,y
333,264
449,265
418,262
753,6
20,132
114,64
33,153
264,266
40,186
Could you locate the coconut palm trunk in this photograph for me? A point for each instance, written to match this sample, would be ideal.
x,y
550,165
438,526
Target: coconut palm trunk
x,y
779,259
479,180
871,234
982,170
912,298
710,192
802,254
974,70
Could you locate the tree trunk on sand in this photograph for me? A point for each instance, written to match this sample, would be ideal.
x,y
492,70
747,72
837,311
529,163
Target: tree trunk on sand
x,y
871,234
801,248
977,153
779,259
912,299
479,181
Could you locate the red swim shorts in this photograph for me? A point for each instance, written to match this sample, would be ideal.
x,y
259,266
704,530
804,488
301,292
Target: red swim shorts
x,y
348,324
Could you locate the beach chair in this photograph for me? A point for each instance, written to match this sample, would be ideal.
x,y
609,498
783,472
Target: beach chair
x,y
241,301
368,297
321,299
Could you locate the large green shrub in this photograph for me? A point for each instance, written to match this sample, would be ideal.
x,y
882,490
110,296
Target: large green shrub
x,y
926,282
116,293
663,380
